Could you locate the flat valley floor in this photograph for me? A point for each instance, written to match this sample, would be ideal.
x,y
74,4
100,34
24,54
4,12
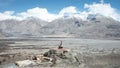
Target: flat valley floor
x,y
92,53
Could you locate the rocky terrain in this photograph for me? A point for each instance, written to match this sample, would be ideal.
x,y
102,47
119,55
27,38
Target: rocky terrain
x,y
95,26
89,53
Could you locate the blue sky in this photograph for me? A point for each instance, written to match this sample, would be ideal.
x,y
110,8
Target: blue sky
x,y
49,10
53,6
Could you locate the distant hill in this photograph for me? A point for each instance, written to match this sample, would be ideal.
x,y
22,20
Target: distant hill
x,y
28,27
95,26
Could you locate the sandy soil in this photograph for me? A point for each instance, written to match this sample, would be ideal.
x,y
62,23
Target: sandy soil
x,y
11,51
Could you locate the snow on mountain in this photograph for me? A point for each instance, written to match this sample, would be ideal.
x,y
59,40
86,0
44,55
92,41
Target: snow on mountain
x,y
95,26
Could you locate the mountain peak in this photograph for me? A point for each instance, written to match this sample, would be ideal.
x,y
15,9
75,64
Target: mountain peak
x,y
96,26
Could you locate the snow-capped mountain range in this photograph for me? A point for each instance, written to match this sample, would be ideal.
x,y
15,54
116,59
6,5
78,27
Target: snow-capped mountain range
x,y
95,26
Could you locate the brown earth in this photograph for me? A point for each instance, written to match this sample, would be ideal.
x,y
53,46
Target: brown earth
x,y
10,53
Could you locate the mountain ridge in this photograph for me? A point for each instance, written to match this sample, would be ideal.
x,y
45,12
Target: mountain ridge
x,y
95,26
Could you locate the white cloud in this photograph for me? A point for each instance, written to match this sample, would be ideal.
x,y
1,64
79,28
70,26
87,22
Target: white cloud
x,y
6,15
8,12
72,11
9,15
68,10
42,13
104,9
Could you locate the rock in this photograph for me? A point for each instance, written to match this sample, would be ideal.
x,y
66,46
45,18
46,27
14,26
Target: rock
x,y
24,63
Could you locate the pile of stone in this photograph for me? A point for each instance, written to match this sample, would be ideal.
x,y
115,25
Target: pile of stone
x,y
48,58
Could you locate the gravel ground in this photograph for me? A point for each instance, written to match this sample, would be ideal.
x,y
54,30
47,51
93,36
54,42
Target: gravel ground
x,y
88,56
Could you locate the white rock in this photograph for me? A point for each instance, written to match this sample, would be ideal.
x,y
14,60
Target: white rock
x,y
24,63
